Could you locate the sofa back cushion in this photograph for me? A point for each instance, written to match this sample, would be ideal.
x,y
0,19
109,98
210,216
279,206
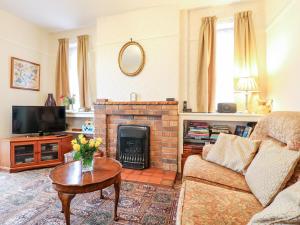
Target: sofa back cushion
x,y
283,126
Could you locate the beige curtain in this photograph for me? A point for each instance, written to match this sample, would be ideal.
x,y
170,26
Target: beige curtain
x,y
82,67
245,56
62,71
206,86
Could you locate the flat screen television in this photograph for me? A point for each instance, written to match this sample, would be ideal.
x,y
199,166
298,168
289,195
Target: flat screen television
x,y
38,119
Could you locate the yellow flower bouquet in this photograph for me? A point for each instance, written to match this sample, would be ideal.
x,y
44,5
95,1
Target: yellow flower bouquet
x,y
84,150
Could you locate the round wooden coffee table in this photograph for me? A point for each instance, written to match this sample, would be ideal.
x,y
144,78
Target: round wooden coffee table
x,y
68,180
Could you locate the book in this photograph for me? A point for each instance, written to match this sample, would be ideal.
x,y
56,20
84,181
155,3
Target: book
x,y
247,132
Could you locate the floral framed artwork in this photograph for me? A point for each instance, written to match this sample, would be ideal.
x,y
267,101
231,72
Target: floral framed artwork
x,y
24,74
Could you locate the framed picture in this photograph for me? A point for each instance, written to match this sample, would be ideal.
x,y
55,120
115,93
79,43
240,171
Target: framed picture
x,y
24,74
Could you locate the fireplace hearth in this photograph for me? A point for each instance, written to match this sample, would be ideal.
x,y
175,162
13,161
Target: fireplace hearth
x,y
133,146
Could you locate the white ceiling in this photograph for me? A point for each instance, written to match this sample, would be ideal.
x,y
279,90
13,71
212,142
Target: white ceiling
x,y
58,15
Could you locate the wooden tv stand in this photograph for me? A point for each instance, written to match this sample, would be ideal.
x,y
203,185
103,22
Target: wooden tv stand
x,y
24,153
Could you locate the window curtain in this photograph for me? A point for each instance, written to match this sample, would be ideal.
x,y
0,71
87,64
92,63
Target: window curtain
x,y
82,68
245,56
62,70
206,86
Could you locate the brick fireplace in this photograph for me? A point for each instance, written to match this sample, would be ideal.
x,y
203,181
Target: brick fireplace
x,y
161,117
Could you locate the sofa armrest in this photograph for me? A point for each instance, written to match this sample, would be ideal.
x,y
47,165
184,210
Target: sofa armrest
x,y
205,150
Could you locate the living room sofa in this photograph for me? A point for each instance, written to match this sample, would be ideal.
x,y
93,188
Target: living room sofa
x,y
212,194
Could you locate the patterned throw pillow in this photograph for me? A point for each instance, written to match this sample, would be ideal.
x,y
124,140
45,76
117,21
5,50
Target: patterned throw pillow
x,y
270,170
233,152
285,209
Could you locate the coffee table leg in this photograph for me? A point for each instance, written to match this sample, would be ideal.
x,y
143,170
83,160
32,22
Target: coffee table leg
x,y
66,201
117,186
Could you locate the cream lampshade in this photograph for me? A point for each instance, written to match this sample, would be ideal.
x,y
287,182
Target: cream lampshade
x,y
247,85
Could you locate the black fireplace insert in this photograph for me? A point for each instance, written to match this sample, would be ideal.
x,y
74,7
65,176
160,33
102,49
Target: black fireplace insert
x,y
133,146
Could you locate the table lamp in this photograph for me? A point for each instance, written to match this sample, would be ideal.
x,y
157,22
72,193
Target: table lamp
x,y
247,85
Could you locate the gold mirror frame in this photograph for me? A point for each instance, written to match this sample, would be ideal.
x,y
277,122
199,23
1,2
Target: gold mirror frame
x,y
141,67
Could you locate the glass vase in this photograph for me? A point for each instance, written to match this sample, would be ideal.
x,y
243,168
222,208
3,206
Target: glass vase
x,y
87,164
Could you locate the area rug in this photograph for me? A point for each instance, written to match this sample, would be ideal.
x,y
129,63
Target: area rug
x,y
27,198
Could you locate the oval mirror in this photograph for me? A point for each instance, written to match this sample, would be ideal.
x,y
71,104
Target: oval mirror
x,y
131,58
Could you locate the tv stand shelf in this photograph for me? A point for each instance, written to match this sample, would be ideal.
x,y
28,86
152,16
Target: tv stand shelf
x,y
23,153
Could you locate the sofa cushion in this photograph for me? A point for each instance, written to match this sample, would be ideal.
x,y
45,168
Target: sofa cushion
x,y
207,204
285,209
270,170
283,126
295,177
233,152
206,149
199,169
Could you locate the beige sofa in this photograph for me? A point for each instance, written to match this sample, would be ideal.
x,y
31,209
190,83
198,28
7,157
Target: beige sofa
x,y
214,195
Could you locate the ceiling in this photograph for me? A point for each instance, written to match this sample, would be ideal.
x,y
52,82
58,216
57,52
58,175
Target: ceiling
x,y
59,15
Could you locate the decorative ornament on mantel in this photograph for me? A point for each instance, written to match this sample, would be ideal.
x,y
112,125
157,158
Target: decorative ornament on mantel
x,y
50,100
133,97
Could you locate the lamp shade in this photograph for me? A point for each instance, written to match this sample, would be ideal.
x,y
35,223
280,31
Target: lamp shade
x,y
247,84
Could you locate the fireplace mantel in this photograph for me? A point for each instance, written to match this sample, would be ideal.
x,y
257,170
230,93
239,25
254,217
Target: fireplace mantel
x,y
160,116
99,102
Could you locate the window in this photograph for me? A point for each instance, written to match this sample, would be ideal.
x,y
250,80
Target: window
x,y
73,76
225,61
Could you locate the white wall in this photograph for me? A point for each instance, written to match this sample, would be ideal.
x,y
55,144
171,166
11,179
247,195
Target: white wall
x,y
26,41
283,48
190,28
156,29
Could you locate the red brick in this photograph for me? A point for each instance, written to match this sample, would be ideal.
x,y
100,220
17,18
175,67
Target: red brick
x,y
139,107
100,115
174,124
165,123
141,117
169,145
154,112
99,107
154,107
125,107
169,150
157,125
170,133
170,129
173,113
170,118
169,156
154,117
169,139
157,133
112,107
170,107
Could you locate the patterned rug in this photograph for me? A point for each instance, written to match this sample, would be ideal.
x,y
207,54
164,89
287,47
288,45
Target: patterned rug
x,y
27,198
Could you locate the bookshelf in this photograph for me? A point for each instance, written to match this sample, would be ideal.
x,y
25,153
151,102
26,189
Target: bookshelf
x,y
75,120
193,136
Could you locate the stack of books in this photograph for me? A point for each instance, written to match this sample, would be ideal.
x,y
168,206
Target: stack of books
x,y
198,132
193,148
216,130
